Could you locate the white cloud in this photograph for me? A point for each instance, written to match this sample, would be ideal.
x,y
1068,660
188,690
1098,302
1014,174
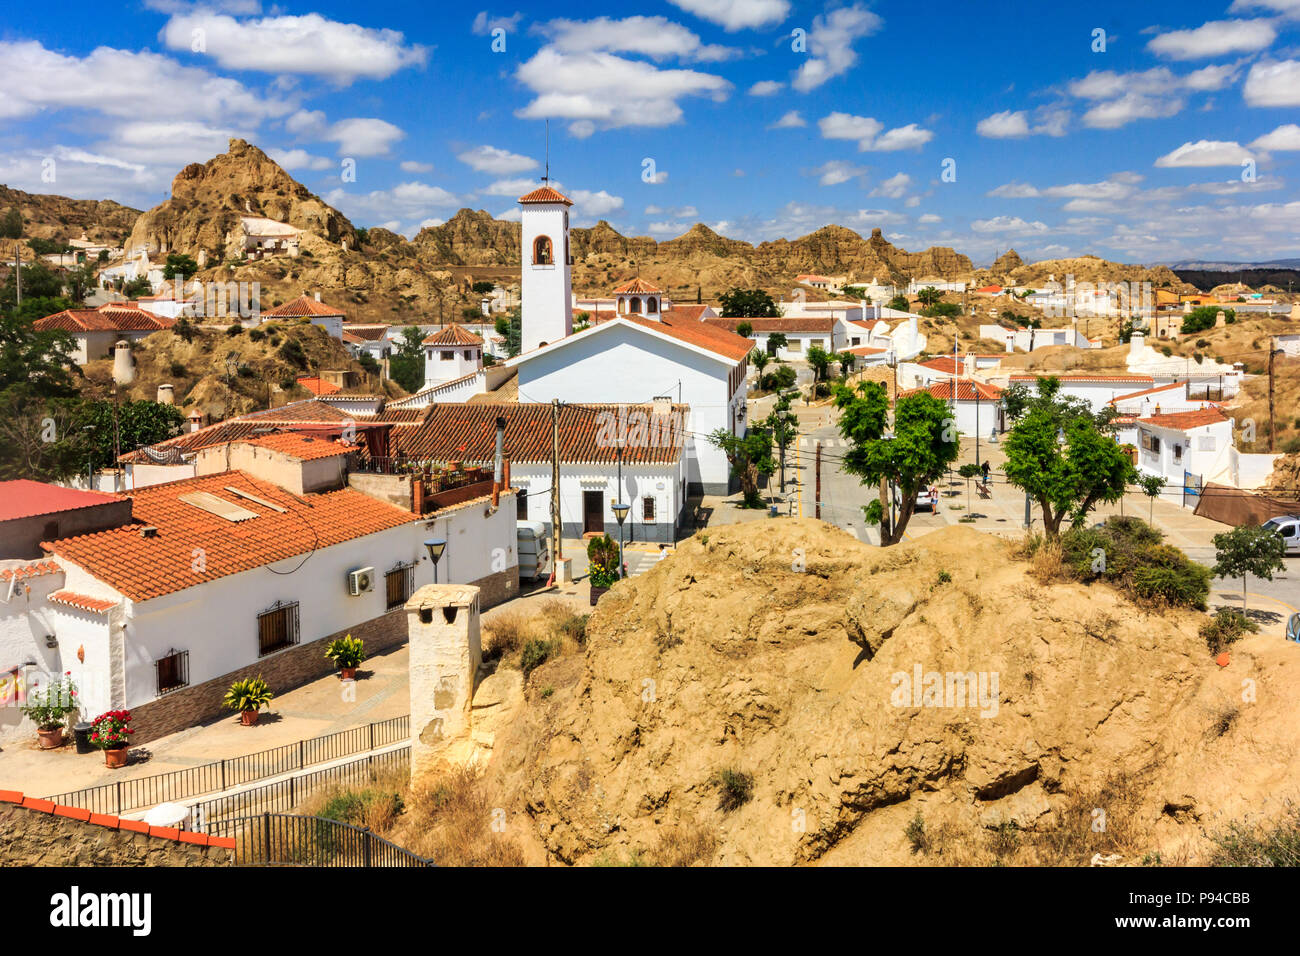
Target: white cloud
x,y
364,136
1283,139
1273,84
496,161
894,187
1015,191
790,120
665,229
866,131
610,91
1215,38
830,45
122,83
766,88
299,159
485,23
837,171
581,129
1206,152
406,202
512,187
680,212
172,143
1121,98
595,203
929,218
1011,224
1130,107
414,166
1015,125
655,37
308,44
735,15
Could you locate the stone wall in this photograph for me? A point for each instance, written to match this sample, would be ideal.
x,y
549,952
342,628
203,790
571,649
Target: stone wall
x,y
393,489
37,833
284,671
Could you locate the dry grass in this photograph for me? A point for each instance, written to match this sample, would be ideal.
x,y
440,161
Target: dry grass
x,y
690,844
452,819
1047,564
555,623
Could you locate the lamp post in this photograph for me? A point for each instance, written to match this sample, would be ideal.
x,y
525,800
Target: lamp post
x,y
435,547
621,509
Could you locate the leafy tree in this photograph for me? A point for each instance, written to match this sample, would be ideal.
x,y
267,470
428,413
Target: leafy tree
x,y
920,449
1247,550
363,237
103,256
39,438
1060,457
855,291
138,423
847,360
745,329
508,326
899,303
406,366
748,304
942,310
483,287
80,283
759,359
1152,485
968,471
368,363
11,224
820,360
48,247
781,378
179,264
776,340
784,428
137,287
750,457
1204,317
929,296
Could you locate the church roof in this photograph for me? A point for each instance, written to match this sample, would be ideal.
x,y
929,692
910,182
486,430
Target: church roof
x,y
546,194
637,286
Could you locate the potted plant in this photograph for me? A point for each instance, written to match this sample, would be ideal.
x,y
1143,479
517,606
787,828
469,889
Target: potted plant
x,y
346,653
248,696
49,709
602,566
111,733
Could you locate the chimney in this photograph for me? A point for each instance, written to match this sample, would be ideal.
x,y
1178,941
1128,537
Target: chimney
x,y
196,420
417,496
166,394
1136,344
661,405
317,296
970,365
123,364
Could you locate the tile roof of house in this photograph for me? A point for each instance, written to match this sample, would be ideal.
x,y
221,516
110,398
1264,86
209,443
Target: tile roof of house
x,y
307,411
370,333
148,567
24,498
692,311
967,391
1185,421
866,350
453,334
944,363
722,342
114,823
82,602
303,447
318,386
546,194
303,305
110,317
35,569
1148,391
808,323
638,286
1084,377
467,431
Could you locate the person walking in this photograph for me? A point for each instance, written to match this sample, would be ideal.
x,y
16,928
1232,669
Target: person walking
x,y
985,469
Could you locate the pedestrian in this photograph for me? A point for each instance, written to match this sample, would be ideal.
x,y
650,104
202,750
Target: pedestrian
x,y
985,469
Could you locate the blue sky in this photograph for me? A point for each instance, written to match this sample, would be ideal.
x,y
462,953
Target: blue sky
x,y
1140,132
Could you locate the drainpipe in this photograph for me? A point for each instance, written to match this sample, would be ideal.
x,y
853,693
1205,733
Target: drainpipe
x,y
417,496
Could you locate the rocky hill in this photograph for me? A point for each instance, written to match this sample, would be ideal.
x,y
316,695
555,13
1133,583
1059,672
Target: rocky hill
x,y
767,695
58,217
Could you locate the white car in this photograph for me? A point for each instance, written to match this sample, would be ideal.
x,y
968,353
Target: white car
x,y
1288,526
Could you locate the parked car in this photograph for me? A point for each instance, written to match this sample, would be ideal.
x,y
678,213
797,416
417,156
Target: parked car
x,y
534,543
1288,526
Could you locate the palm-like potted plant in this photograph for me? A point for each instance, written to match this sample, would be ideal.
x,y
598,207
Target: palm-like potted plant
x,y
248,696
111,733
49,708
346,653
602,566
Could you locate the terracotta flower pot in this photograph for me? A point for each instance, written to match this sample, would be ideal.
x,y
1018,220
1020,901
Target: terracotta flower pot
x,y
347,673
248,717
115,757
50,739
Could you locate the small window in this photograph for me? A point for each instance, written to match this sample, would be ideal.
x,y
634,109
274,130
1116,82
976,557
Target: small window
x,y
467,355
651,305
446,356
542,252
277,628
647,509
635,306
173,671
399,585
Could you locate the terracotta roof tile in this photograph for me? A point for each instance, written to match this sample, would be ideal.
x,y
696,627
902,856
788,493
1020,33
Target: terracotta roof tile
x,y
303,305
802,324
144,568
453,334
370,333
110,317
82,601
720,341
34,570
966,391
1099,377
24,498
1183,421
318,386
467,431
302,447
638,286
546,194
1148,391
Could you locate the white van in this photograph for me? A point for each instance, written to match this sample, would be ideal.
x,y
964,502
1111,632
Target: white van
x,y
1288,526
534,543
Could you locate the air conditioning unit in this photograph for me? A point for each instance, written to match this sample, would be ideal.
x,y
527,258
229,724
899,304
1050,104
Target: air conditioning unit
x,y
360,580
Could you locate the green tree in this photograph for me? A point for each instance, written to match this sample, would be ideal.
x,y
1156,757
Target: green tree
x,y
1059,456
1152,485
1247,550
783,426
968,471
11,224
759,359
406,366
39,438
483,287
508,327
775,340
137,287
820,360
80,283
138,423
745,329
748,304
750,457
920,448
778,380
179,264
899,303
929,296
1204,317
847,360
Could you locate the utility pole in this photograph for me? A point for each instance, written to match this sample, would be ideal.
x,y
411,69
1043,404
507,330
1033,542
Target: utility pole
x,y
556,528
1271,352
818,506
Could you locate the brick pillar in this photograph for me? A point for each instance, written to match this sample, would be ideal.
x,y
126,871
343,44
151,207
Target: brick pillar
x,y
445,653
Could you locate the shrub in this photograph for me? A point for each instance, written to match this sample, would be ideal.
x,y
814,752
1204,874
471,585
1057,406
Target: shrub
x,y
735,789
291,351
249,693
1226,627
256,335
507,631
1133,558
235,329
50,706
575,627
178,369
346,651
535,654
1264,844
915,833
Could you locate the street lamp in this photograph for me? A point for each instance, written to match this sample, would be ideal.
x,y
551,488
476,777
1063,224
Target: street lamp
x,y
621,509
435,547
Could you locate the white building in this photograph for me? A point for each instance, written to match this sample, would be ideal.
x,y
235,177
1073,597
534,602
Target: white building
x,y
311,308
1098,389
547,290
942,285
977,406
1184,446
1030,340
801,334
96,331
451,353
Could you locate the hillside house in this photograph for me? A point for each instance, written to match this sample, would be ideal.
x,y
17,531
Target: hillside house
x,y
96,331
311,308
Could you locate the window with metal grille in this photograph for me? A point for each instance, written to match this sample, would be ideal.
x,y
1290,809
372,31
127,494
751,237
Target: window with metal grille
x,y
399,584
277,628
173,671
647,509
